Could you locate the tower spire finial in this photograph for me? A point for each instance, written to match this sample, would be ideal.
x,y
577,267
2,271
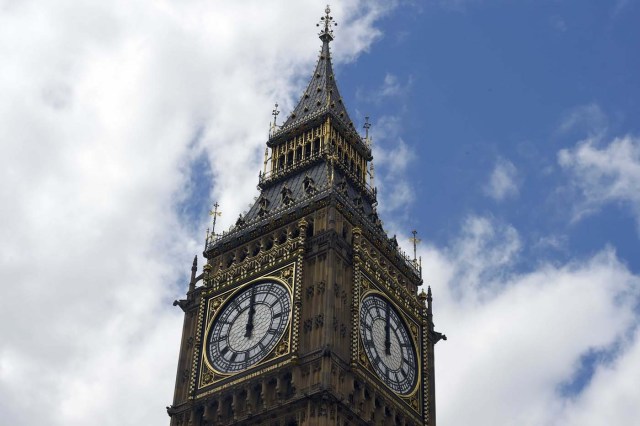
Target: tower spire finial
x,y
326,33
275,113
366,127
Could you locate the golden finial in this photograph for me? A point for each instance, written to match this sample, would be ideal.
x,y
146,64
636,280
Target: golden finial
x,y
326,33
215,213
415,240
266,158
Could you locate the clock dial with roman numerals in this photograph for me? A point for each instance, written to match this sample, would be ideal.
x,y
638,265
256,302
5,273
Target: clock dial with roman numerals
x,y
248,327
388,344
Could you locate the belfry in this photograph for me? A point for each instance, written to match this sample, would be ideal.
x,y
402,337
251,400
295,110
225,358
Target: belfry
x,y
306,312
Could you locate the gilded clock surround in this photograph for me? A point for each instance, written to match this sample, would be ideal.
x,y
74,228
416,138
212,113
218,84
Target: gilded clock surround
x,y
213,306
315,230
412,327
376,266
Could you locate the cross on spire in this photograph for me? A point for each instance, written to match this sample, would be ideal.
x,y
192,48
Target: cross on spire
x,y
215,213
415,242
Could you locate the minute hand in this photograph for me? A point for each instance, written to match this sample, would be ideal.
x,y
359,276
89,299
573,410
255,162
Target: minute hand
x,y
387,333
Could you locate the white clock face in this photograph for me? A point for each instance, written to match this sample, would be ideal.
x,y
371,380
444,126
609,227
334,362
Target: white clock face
x,y
248,327
388,344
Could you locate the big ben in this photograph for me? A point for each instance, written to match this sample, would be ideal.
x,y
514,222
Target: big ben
x,y
306,312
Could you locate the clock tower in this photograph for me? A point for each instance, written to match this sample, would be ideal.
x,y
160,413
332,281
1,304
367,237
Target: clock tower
x,y
306,312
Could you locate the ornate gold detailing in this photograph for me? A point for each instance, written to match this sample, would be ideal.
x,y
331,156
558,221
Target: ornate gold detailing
x,y
211,303
364,360
213,307
196,349
414,331
380,270
414,403
251,266
297,291
283,348
365,285
207,376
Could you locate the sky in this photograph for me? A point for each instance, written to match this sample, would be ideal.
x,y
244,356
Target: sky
x,y
506,133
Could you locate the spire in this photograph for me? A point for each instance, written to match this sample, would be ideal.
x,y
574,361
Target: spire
x,y
322,93
194,269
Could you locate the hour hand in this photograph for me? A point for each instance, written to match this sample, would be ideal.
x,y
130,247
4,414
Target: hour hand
x,y
249,327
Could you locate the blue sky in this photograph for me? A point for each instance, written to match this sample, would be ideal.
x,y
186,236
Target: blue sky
x,y
501,80
506,133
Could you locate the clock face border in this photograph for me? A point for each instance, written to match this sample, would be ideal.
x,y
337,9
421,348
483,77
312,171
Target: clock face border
x,y
366,285
414,347
222,300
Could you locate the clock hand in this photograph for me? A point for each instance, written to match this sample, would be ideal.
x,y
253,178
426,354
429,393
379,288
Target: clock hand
x,y
252,302
387,334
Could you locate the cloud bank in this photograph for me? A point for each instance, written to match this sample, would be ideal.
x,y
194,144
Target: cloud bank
x,y
123,121
603,173
521,344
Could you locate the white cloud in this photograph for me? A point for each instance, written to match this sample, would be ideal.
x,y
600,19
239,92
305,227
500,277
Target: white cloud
x,y
105,108
597,406
558,23
390,88
604,173
503,181
554,242
514,338
392,157
587,118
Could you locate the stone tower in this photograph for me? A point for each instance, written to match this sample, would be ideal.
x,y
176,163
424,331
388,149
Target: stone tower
x,y
307,312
